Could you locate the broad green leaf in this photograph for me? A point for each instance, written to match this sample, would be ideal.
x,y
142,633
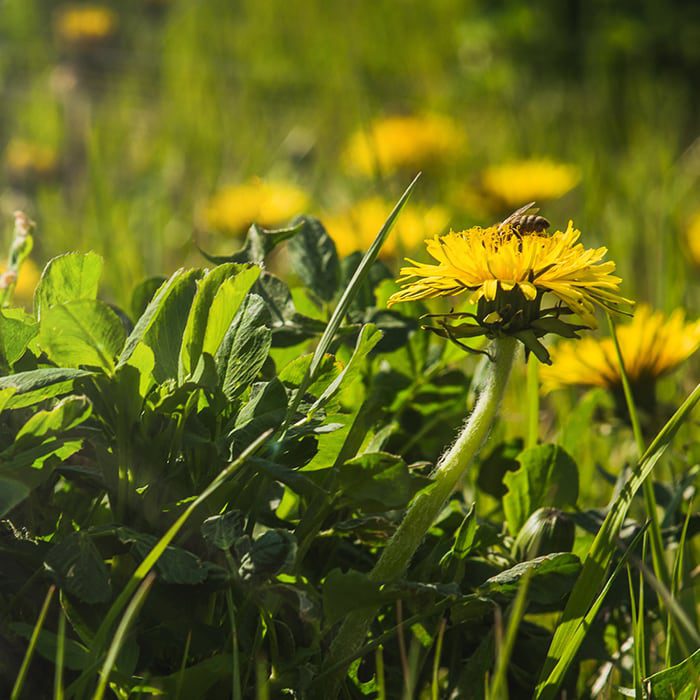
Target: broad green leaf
x,y
195,681
65,415
679,682
245,346
77,567
378,482
143,294
5,396
547,476
162,325
265,409
12,493
571,630
82,333
314,258
40,384
259,242
69,277
17,328
218,298
176,565
344,592
270,553
75,655
223,530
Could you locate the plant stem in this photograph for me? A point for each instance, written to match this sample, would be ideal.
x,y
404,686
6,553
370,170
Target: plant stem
x,y
427,505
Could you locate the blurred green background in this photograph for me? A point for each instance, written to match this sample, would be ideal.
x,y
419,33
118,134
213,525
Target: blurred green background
x,y
118,127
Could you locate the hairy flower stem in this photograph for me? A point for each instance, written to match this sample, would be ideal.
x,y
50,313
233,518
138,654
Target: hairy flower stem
x,y
424,509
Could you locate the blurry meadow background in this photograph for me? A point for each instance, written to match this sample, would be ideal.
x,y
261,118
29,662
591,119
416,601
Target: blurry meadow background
x,y
146,130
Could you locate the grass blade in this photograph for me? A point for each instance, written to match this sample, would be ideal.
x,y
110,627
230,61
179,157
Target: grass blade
x,y
120,635
60,649
570,631
24,668
346,299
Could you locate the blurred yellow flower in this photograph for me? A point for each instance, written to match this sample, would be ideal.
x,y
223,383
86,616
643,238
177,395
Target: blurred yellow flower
x,y
519,182
25,160
693,238
235,207
356,228
490,263
83,25
403,143
27,281
652,345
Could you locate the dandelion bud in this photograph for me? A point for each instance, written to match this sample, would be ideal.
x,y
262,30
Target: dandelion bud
x,y
546,531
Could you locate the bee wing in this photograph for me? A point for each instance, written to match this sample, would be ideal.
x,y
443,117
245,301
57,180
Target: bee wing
x,y
528,208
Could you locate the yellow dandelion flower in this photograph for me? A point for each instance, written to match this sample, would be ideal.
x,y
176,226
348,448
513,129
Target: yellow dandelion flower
x,y
235,207
27,161
83,25
403,143
26,282
693,238
507,276
519,182
356,228
652,345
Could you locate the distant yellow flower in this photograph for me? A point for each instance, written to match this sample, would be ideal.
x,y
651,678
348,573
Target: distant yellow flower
x,y
693,238
26,283
25,160
235,207
403,143
652,345
524,181
507,276
83,25
356,229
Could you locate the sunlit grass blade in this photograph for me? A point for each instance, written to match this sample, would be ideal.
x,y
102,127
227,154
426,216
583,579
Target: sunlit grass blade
x,y
60,650
120,635
24,668
150,560
498,688
571,630
347,297
657,547
435,693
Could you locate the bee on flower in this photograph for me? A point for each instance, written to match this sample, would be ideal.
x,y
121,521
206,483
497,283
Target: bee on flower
x,y
403,143
652,345
268,203
522,283
355,229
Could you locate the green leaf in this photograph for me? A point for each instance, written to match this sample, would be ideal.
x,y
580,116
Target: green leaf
x,y
143,294
265,409
552,577
223,530
176,565
245,346
75,655
314,258
259,242
12,493
79,570
345,592
69,277
40,384
270,553
679,682
548,476
162,325
82,333
218,298
378,482
17,328
67,414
